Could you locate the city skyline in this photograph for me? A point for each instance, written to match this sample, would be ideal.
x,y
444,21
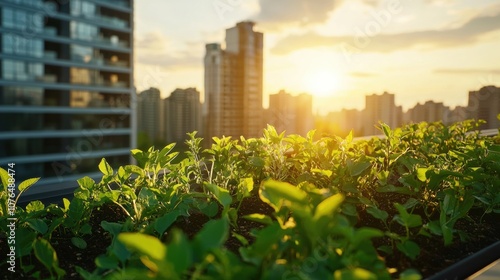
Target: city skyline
x,y
448,48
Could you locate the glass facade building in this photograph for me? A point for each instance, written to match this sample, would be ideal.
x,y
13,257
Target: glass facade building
x,y
66,89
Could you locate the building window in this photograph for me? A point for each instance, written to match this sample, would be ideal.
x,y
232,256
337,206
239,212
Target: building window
x,y
15,44
83,31
82,53
85,76
23,20
31,3
24,96
21,70
83,8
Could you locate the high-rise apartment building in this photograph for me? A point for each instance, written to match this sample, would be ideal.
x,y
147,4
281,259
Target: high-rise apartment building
x,y
484,104
65,89
233,84
430,111
149,115
347,120
182,111
289,113
381,108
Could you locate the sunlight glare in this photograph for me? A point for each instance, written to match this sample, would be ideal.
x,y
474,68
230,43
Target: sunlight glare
x,y
322,83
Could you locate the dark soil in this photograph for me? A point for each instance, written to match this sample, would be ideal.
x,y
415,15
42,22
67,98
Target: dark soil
x,y
434,255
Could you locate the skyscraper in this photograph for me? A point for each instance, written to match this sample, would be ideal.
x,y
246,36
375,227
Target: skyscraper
x,y
182,112
484,104
66,94
292,114
380,108
430,111
233,84
148,114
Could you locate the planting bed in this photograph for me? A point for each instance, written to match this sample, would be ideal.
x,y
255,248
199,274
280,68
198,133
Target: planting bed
x,y
285,207
434,255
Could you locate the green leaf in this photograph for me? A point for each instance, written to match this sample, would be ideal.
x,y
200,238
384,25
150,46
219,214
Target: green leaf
x,y
392,188
264,243
410,274
86,229
38,225
27,183
120,250
386,129
106,262
113,228
274,191
222,195
46,254
356,168
4,176
240,238
377,213
410,203
144,244
35,206
260,218
354,274
66,204
179,252
24,241
386,249
406,219
349,209
327,208
421,174
447,234
76,209
105,168
246,186
86,182
164,222
166,150
213,235
434,227
140,156
210,209
327,173
134,169
364,234
147,197
79,243
257,161
232,213
409,248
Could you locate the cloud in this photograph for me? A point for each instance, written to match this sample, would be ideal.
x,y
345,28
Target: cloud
x,y
152,41
467,71
155,49
283,12
466,34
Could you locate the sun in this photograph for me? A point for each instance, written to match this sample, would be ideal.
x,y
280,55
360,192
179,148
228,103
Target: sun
x,y
322,83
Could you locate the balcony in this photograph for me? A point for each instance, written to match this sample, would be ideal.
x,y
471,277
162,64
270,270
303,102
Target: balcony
x,y
124,4
50,55
47,78
113,41
112,21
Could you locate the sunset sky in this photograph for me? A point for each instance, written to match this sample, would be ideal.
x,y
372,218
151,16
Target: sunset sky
x,y
338,51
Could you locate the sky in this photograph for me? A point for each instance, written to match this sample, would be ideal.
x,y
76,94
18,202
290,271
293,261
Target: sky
x,y
336,50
